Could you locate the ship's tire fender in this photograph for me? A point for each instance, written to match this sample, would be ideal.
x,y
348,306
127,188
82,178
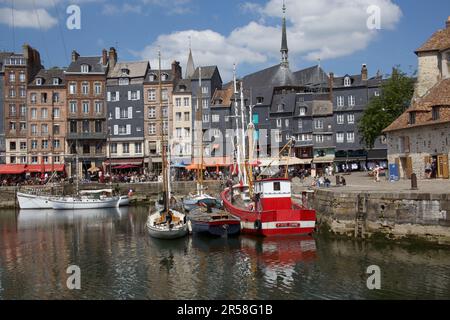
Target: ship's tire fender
x,y
258,225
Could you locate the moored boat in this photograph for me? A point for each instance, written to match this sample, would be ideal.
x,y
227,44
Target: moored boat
x,y
270,211
88,199
167,226
213,222
28,201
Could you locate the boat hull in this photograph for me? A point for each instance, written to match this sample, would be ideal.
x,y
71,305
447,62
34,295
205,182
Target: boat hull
x,y
164,232
193,203
297,221
216,228
29,202
80,204
124,201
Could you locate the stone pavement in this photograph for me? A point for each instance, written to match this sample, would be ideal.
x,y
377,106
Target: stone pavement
x,y
360,181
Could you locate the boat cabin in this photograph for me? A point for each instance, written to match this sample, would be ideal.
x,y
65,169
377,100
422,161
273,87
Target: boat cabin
x,y
274,194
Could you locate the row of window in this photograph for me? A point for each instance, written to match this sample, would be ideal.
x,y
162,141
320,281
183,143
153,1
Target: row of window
x,y
44,113
152,112
86,127
44,129
186,102
85,107
34,145
152,128
44,97
125,148
34,159
341,119
132,96
340,137
13,94
179,116
341,101
12,77
85,88
182,133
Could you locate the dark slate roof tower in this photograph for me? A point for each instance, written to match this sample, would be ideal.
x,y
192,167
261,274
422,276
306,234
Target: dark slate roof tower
x,y
190,68
284,43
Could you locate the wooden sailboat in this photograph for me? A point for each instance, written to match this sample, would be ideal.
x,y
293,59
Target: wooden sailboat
x,y
165,223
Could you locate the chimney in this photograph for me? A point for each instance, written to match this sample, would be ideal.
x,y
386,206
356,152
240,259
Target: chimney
x,y
364,73
75,56
447,24
112,57
176,70
331,85
104,57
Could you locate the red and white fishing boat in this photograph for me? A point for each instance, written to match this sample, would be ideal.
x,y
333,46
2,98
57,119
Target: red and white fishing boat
x,y
270,211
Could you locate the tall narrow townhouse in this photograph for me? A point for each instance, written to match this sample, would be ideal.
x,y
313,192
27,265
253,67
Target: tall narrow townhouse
x,y
47,120
182,123
87,132
18,70
158,90
125,101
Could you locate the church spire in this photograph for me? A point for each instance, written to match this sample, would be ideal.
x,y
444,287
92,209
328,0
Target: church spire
x,y
190,68
284,43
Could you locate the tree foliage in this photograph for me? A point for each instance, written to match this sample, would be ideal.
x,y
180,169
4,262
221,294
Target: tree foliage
x,y
395,97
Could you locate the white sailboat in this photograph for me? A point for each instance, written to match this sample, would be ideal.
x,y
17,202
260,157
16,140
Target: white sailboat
x,y
166,223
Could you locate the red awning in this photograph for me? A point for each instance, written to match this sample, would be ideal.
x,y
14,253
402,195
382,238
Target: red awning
x,y
12,169
126,166
37,168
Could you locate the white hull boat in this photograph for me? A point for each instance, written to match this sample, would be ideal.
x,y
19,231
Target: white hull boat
x,y
30,201
75,203
124,201
162,230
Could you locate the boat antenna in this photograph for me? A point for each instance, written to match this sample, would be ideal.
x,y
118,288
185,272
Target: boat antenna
x,y
163,142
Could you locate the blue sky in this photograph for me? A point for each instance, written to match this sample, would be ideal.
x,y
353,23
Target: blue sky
x,y
224,32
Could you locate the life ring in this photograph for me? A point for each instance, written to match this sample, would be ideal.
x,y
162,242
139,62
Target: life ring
x,y
258,225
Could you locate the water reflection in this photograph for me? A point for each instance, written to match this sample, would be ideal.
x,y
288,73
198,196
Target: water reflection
x,y
120,261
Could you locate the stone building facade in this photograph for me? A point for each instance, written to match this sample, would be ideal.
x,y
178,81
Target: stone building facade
x,y
158,106
420,137
18,70
47,118
87,128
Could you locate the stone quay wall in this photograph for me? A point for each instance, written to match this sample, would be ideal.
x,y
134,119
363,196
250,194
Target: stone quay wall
x,y
397,216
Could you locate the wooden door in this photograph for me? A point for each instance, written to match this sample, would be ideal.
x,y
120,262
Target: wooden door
x,y
409,167
443,170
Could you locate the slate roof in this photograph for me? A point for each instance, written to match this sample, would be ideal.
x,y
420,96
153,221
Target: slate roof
x,y
207,72
180,83
225,95
276,76
95,64
48,75
3,56
439,95
312,76
439,41
138,69
155,72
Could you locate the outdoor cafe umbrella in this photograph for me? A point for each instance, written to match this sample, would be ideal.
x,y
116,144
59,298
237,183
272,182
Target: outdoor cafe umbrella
x,y
93,169
196,166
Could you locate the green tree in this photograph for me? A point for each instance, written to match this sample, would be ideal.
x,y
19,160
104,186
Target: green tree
x,y
381,112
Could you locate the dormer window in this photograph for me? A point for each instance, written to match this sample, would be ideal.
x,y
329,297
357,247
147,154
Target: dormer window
x,y
39,81
280,107
302,111
412,118
259,100
55,81
84,68
152,77
124,81
347,82
125,71
164,77
182,88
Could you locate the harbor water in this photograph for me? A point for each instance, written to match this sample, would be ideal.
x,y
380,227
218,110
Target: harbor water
x,y
118,260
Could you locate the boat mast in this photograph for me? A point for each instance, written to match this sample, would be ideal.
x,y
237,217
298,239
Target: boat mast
x,y
236,111
163,142
243,146
200,98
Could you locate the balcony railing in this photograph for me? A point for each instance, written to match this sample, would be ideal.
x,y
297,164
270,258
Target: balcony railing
x,y
86,136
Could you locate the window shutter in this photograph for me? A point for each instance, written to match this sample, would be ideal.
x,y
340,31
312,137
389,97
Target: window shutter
x,y
116,130
109,96
117,113
129,95
139,95
128,128
130,112
117,96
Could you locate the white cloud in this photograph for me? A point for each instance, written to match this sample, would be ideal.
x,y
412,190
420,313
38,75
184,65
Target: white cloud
x,y
324,29
36,19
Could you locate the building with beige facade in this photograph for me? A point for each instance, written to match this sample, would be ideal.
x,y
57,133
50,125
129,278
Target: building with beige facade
x,y
420,138
181,142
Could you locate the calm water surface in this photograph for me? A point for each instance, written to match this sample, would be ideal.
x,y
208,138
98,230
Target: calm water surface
x,y
118,260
